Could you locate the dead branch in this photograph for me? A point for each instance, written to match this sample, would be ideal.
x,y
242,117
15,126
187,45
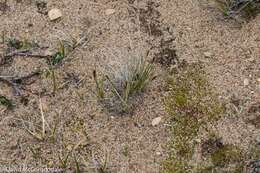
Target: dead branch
x,y
15,81
26,53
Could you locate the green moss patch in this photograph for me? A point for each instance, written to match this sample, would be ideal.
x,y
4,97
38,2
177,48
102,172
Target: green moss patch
x,y
191,104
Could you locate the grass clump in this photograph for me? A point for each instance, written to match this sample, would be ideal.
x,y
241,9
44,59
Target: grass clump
x,y
191,104
137,74
225,158
232,8
227,154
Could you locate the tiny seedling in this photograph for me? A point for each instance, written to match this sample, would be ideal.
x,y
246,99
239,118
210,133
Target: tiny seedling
x,y
55,60
6,102
14,43
59,56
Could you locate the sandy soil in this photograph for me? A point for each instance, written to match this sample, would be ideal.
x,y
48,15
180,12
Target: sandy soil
x,y
131,144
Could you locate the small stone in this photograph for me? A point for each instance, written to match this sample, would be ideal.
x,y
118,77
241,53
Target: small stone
x,y
156,121
258,80
246,82
198,140
110,11
258,140
208,54
158,153
54,14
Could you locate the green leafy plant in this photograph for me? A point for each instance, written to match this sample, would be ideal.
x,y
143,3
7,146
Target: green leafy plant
x,y
60,55
54,61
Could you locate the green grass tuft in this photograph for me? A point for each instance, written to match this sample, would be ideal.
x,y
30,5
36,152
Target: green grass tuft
x,y
137,75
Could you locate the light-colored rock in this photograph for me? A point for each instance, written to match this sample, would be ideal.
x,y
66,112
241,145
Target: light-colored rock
x,y
156,121
208,54
110,11
258,140
54,14
246,82
258,80
158,153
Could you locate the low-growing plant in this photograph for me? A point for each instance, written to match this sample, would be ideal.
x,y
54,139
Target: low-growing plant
x,y
14,43
191,105
59,55
232,8
54,61
6,102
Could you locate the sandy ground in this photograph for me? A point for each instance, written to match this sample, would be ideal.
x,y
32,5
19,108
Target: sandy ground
x,y
130,142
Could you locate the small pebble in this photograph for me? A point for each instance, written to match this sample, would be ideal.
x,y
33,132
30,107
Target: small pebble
x,y
246,82
156,121
208,54
110,11
258,140
54,14
158,153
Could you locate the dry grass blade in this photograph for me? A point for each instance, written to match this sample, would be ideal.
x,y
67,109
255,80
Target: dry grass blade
x,y
99,85
114,90
40,133
43,120
15,81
